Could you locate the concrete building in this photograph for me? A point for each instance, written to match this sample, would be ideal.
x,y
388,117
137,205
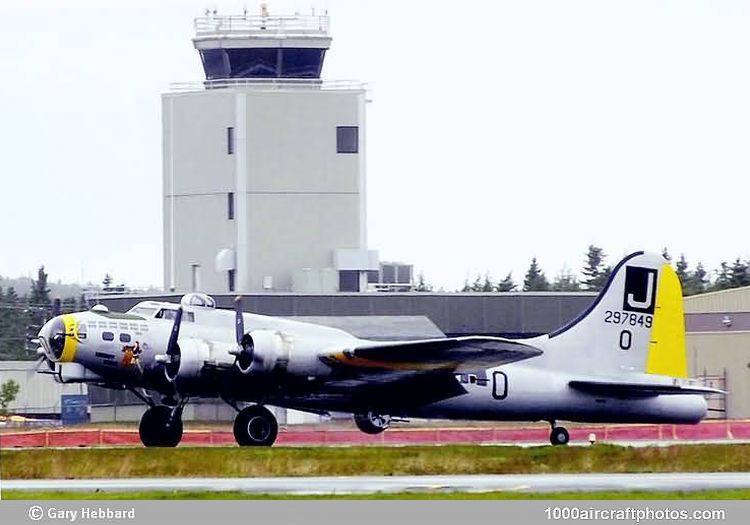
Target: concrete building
x,y
264,164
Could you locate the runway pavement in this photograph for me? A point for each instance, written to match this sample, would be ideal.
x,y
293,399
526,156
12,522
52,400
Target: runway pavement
x,y
389,484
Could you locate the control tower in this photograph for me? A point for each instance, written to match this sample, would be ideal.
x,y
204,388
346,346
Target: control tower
x,y
264,164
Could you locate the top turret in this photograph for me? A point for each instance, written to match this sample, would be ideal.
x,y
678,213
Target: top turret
x,y
262,46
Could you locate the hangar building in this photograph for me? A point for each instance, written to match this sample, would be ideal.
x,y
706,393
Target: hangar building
x,y
718,341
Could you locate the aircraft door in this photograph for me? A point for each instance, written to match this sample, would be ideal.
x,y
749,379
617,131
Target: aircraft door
x,y
499,385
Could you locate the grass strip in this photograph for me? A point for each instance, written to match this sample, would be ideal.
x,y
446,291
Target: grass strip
x,y
355,461
729,494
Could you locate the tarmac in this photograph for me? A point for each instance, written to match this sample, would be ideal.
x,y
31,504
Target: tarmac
x,y
393,484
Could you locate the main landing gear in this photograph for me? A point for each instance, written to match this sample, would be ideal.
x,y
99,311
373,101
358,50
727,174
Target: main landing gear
x,y
255,426
161,426
558,435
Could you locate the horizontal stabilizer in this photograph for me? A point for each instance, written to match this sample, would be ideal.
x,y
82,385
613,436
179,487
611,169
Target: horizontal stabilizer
x,y
450,353
607,388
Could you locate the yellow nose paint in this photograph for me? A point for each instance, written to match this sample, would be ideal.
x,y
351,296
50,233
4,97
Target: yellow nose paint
x,y
71,338
667,353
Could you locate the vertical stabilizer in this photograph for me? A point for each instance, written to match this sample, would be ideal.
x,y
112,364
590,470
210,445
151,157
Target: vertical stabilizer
x,y
635,326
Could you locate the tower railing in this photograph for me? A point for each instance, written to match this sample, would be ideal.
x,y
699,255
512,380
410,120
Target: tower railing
x,y
243,24
268,83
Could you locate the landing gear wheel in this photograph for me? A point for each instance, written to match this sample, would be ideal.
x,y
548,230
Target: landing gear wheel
x,y
159,428
372,423
559,436
255,426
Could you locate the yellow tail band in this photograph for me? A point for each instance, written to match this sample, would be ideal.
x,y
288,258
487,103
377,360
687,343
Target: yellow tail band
x,y
667,352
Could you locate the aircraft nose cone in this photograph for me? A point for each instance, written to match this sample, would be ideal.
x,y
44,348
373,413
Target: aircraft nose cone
x,y
52,337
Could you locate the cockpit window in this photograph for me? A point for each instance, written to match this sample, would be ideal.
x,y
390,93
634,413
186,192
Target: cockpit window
x,y
143,311
166,313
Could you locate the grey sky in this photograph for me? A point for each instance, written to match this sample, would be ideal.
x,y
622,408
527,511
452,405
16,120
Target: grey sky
x,y
498,130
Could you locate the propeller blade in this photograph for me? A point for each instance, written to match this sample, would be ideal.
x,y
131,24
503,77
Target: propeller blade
x,y
172,344
239,322
56,307
34,369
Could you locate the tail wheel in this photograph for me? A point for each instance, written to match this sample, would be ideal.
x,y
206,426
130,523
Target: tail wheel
x,y
559,436
159,427
372,423
255,426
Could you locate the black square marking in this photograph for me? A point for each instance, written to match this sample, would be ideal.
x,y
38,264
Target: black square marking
x,y
640,290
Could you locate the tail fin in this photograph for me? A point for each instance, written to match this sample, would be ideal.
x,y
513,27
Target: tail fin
x,y
636,324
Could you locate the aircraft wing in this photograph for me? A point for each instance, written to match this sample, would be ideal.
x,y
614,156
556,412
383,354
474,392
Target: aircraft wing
x,y
639,389
430,355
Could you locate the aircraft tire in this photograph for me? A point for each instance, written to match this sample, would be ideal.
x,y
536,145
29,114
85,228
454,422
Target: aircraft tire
x,y
371,423
559,436
255,426
159,429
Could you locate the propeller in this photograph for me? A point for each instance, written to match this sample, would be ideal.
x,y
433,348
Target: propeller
x,y
171,358
38,363
239,321
172,344
244,352
56,307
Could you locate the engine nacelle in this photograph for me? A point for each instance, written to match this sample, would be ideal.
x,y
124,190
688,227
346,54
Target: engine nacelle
x,y
192,355
262,351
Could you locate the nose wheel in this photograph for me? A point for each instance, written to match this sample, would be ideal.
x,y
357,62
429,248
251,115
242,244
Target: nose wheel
x,y
161,426
255,426
558,435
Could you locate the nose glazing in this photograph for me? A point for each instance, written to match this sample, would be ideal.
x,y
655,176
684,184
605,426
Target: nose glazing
x,y
52,336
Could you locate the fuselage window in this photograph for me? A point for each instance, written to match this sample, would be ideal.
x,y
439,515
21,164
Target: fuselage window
x,y
108,336
499,385
124,338
81,331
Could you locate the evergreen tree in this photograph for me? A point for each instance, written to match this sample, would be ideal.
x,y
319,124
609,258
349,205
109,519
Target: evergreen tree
x,y
723,278
487,285
739,275
535,280
39,295
594,271
697,281
422,285
11,297
476,286
107,281
681,268
566,282
507,284
665,254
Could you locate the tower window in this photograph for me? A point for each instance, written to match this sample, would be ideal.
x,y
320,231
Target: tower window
x,y
347,139
230,141
230,278
230,206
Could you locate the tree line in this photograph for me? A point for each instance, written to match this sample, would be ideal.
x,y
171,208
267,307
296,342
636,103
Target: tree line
x,y
595,272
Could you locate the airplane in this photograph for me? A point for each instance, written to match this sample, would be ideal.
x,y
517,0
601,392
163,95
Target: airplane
x,y
623,360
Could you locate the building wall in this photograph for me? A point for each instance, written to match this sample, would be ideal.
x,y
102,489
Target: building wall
x,y
717,353
734,300
38,393
296,199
